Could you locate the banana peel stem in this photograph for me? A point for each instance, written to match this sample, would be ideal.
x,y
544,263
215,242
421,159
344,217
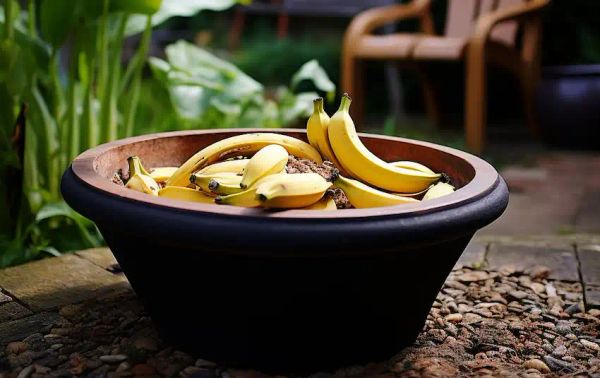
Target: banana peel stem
x,y
135,166
345,104
318,105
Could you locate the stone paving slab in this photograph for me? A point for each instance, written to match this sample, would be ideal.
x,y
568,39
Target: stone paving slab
x,y
49,283
101,257
592,296
588,217
474,254
589,258
21,328
4,298
12,311
482,323
559,186
561,261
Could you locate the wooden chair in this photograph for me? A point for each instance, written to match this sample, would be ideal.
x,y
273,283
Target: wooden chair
x,y
506,33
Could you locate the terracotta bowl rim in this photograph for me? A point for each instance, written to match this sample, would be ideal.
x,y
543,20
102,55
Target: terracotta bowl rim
x,y
485,180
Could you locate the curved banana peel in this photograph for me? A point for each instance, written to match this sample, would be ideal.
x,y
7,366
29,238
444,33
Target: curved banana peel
x,y
362,196
244,144
438,190
364,165
185,194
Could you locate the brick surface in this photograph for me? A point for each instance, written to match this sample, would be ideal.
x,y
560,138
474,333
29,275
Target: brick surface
x,y
589,258
58,281
561,260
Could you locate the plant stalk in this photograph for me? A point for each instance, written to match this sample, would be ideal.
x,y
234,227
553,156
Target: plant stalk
x,y
31,17
8,20
133,100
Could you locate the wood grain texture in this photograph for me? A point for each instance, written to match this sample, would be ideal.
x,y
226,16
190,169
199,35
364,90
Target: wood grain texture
x,y
479,32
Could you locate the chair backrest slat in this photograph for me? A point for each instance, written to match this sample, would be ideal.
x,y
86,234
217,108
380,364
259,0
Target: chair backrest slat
x,y
506,31
460,16
463,14
486,6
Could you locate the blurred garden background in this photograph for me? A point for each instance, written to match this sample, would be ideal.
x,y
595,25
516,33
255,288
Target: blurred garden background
x,y
75,73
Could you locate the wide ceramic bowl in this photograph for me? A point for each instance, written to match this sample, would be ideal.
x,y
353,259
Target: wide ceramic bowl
x,y
286,291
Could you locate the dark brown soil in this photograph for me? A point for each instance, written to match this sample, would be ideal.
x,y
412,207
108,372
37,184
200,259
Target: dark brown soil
x,y
297,165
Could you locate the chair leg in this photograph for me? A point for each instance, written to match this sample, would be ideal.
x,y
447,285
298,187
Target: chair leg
x,y
528,84
237,28
429,95
283,22
353,84
475,102
394,84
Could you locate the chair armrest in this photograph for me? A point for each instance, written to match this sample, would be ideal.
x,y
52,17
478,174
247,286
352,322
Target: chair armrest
x,y
367,21
486,23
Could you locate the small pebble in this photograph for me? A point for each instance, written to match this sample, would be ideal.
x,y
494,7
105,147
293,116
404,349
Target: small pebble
x,y
560,351
589,344
518,294
16,347
113,358
123,366
454,318
473,276
557,364
204,363
594,312
26,372
536,364
470,318
573,309
143,370
146,343
563,327
537,287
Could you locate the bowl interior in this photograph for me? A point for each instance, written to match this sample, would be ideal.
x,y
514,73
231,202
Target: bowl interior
x,y
176,149
95,167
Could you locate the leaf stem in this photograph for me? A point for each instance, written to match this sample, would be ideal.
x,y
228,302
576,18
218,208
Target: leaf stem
x,y
8,19
31,17
140,58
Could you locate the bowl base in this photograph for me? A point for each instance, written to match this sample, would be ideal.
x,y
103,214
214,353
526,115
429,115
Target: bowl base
x,y
287,315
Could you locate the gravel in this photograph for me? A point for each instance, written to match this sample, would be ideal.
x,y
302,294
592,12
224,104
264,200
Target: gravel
x,y
495,323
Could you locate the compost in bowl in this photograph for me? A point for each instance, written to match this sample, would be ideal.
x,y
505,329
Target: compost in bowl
x,y
284,291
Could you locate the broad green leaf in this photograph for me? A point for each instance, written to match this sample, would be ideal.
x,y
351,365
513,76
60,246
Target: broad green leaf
x,y
136,6
314,73
188,100
299,105
199,82
160,69
61,209
55,210
57,17
176,8
51,251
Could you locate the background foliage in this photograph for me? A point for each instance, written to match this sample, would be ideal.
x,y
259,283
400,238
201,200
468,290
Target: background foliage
x,y
65,86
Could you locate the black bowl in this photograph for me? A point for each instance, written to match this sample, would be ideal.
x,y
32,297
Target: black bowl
x,y
288,291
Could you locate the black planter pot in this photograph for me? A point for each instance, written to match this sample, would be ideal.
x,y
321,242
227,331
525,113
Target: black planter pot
x,y
568,102
292,291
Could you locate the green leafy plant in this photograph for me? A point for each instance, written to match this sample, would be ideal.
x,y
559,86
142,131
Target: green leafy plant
x,y
209,92
63,59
